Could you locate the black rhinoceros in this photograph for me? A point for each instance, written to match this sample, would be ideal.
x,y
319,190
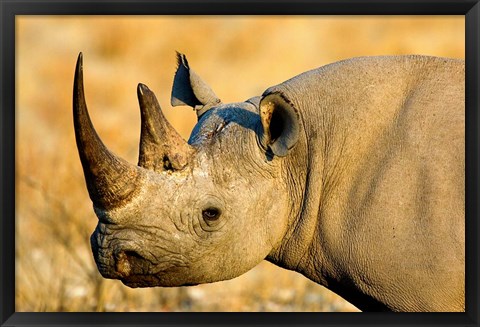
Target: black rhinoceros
x,y
351,174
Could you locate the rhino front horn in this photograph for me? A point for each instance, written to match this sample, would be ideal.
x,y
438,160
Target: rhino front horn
x,y
111,181
161,147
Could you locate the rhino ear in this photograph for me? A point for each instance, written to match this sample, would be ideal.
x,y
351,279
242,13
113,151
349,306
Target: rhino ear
x,y
280,124
190,90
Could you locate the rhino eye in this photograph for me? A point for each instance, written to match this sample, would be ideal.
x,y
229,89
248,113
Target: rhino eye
x,y
211,214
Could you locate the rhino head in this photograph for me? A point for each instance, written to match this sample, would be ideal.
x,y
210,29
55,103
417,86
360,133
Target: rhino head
x,y
191,212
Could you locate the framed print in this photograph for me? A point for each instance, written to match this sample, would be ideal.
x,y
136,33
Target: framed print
x,y
288,163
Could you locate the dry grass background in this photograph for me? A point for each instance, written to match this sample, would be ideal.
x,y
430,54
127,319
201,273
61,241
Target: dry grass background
x,y
239,57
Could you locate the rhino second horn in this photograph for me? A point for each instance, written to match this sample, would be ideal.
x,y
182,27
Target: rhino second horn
x,y
161,147
111,181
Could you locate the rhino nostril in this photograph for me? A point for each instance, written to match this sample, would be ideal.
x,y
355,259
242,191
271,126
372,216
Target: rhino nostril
x,y
125,262
122,265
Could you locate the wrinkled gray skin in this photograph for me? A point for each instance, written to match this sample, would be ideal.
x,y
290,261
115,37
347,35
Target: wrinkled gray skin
x,y
351,174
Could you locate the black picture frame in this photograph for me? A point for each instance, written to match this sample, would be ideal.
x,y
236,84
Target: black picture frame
x,y
10,8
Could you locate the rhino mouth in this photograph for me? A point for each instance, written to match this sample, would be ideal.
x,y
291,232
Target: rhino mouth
x,y
118,256
117,259
137,271
135,281
121,264
134,269
131,268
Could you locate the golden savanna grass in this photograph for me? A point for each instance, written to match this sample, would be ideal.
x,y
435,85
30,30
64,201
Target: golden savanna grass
x,y
239,57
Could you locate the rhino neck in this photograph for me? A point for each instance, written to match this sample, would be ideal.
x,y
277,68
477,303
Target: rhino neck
x,y
315,243
304,174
